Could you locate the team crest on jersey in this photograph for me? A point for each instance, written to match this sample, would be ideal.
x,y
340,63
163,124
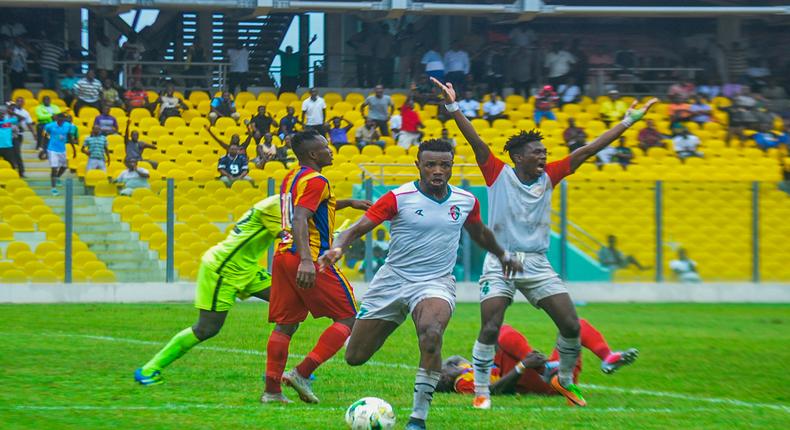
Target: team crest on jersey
x,y
455,212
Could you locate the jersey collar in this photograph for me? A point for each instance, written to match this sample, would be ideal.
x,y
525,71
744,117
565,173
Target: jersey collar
x,y
449,192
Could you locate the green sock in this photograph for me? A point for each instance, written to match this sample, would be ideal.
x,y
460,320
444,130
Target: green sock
x,y
178,346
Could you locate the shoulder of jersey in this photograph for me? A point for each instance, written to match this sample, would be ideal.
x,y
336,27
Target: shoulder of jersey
x,y
406,188
462,192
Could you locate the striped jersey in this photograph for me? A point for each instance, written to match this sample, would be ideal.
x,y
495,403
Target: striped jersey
x,y
309,189
519,214
425,232
254,232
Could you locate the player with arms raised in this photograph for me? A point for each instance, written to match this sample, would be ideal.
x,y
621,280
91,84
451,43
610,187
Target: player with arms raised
x,y
308,222
427,217
519,201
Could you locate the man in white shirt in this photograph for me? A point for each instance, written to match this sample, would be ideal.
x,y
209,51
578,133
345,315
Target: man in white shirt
x,y
88,90
569,92
105,55
685,268
494,108
686,144
314,112
434,66
456,65
239,58
558,64
133,177
469,106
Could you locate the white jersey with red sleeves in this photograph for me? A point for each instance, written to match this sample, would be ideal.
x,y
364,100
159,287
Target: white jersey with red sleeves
x,y
424,232
519,214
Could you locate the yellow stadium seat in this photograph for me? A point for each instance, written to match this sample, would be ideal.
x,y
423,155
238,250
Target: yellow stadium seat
x,y
44,275
372,150
288,97
223,123
6,174
21,223
103,276
95,177
22,92
13,276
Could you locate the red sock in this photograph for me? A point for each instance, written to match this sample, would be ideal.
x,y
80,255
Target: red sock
x,y
593,340
276,356
331,340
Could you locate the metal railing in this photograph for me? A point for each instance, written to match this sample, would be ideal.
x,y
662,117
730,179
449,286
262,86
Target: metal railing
x,y
603,78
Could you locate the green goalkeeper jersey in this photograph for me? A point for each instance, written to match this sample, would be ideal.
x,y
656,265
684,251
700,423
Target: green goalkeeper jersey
x,y
254,232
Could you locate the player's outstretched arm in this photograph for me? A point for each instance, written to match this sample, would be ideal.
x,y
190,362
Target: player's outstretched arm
x,y
633,115
507,384
362,205
344,239
478,146
484,237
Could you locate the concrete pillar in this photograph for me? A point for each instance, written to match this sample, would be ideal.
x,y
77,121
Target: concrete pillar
x,y
335,37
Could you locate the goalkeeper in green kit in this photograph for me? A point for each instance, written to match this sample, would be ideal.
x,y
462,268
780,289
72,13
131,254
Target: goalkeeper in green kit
x,y
228,270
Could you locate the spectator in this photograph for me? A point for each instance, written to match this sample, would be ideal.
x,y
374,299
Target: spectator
x,y
446,137
380,108
611,258
17,63
196,54
45,114
625,58
261,124
314,112
59,133
383,53
456,65
766,138
423,91
650,137
521,65
136,97
368,134
684,268
95,147
601,57
410,126
469,106
50,59
682,90
223,107
338,133
26,121
105,55
239,57
558,64
284,153
88,92
289,70
110,96
67,85
363,43
709,91
700,111
679,111
614,109
396,122
288,123
569,92
234,165
575,137
521,36
380,242
686,144
9,126
495,66
133,177
134,147
169,104
266,151
494,108
434,65
105,123
622,154
545,101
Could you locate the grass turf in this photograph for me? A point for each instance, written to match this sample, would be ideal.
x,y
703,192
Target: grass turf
x,y
701,366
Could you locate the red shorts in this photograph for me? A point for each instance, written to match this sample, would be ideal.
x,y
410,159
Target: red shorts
x,y
332,296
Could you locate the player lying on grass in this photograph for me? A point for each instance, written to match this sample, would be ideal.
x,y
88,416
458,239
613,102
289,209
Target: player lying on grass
x,y
229,270
519,369
427,217
519,212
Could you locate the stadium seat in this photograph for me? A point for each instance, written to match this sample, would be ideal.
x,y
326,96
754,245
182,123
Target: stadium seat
x,y
103,276
13,276
21,223
6,232
44,275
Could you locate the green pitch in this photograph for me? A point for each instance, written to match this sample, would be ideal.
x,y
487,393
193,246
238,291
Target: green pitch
x,y
700,366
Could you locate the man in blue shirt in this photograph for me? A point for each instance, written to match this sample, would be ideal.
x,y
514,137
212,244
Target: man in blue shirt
x,y
59,133
8,125
223,107
234,165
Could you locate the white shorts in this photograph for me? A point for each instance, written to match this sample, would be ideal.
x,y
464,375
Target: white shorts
x,y
407,139
57,159
392,297
536,282
95,164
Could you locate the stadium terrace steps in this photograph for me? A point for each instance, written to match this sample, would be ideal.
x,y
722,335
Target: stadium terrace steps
x,y
111,241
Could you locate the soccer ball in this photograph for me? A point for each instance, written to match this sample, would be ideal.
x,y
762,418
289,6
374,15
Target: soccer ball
x,y
370,413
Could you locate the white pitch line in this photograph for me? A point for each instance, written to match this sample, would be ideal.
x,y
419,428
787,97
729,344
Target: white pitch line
x,y
170,406
681,396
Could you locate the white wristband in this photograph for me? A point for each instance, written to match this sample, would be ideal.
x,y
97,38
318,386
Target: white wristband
x,y
452,107
520,368
627,122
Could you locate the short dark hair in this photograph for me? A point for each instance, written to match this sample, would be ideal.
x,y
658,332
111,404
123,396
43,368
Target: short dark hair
x,y
518,141
300,139
435,145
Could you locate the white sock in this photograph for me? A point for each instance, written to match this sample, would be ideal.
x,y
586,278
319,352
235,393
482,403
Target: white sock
x,y
424,386
483,361
569,349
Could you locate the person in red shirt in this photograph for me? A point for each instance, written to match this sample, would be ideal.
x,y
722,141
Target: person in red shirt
x,y
522,370
136,97
545,101
410,125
